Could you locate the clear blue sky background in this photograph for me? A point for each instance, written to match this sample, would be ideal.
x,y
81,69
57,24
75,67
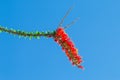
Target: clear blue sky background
x,y
96,35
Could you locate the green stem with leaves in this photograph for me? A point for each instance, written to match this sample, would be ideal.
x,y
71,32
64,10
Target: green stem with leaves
x,y
30,35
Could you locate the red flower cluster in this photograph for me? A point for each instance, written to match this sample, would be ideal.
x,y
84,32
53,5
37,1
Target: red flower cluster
x,y
68,47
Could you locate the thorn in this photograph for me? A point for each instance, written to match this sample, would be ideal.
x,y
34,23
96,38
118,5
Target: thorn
x,y
61,22
70,24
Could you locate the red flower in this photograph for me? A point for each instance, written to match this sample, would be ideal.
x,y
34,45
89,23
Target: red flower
x,y
68,47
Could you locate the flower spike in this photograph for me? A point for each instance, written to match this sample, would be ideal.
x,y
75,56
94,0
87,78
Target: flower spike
x,y
68,47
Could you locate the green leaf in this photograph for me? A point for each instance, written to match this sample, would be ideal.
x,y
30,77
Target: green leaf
x,y
0,31
38,37
30,37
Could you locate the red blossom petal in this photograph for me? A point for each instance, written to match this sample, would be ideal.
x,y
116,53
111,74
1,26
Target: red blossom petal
x,y
81,67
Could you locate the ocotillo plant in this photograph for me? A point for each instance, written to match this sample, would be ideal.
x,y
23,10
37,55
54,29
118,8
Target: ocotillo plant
x,y
59,35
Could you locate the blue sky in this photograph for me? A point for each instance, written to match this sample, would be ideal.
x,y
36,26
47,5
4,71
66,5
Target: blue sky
x,y
96,35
